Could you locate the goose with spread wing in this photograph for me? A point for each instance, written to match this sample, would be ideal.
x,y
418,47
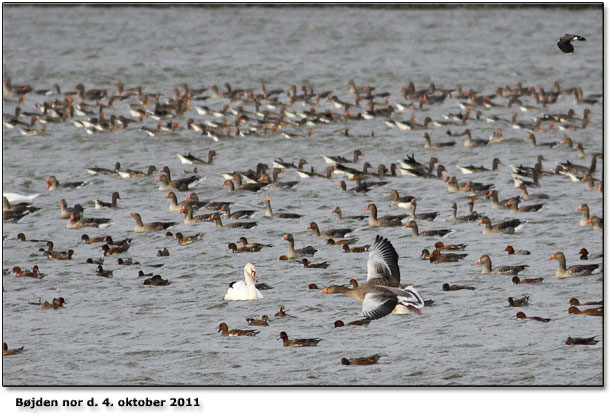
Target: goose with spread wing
x,y
382,292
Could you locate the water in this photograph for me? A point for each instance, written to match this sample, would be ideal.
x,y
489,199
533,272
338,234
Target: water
x,y
115,331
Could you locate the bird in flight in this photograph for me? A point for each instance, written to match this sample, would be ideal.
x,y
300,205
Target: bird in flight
x,y
564,42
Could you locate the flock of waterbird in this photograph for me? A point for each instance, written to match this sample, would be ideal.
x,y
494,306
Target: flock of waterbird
x,y
289,114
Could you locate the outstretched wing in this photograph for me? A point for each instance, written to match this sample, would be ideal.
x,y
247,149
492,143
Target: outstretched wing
x,y
383,261
376,306
406,296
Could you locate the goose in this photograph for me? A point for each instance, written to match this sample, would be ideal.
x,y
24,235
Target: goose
x,y
297,253
381,294
503,270
574,270
244,290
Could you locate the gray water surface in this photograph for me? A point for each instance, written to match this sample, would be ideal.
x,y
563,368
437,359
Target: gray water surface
x,y
115,331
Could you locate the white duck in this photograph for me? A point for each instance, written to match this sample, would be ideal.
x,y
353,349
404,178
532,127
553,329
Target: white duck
x,y
244,290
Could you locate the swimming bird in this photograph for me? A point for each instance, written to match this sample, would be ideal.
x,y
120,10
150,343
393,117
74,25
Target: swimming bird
x,y
297,253
574,270
246,289
503,270
369,360
298,342
235,332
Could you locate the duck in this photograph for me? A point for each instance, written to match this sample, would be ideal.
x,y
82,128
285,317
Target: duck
x,y
125,261
108,251
456,287
599,312
519,302
297,253
269,212
512,251
7,352
244,290
385,221
438,257
34,273
442,247
369,360
332,233
585,255
190,159
101,273
435,232
235,332
507,227
77,222
187,240
54,304
581,341
574,302
306,264
341,217
513,203
355,249
503,270
403,202
88,240
517,281
149,227
156,281
528,197
245,243
422,216
381,293
264,321
22,238
98,261
216,217
61,256
340,323
233,247
298,342
341,242
521,315
281,313
53,184
188,215
574,270
163,252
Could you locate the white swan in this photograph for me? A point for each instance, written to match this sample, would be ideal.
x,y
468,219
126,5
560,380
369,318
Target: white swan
x,y
18,197
244,290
